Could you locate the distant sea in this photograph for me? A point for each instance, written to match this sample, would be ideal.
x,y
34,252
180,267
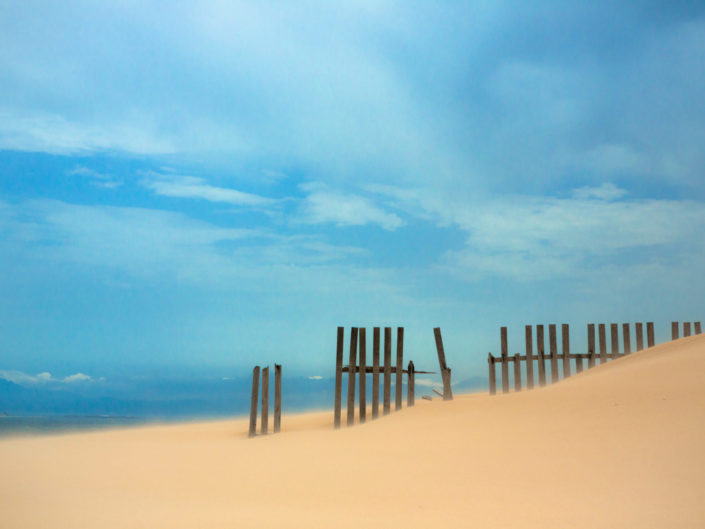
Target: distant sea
x,y
10,426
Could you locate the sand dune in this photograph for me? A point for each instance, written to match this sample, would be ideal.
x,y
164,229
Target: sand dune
x,y
618,446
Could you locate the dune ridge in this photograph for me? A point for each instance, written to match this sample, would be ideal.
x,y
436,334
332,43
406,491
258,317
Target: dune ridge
x,y
616,446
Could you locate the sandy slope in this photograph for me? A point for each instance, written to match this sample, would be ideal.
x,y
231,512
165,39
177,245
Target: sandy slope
x,y
620,446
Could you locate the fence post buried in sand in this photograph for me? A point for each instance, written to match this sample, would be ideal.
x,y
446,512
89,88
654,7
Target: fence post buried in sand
x,y
528,339
517,373
253,401
265,400
362,345
387,369
400,368
554,352
540,349
614,335
639,331
375,372
674,330
698,329
410,390
602,332
505,360
650,342
686,328
277,397
493,380
445,370
338,376
351,376
591,344
626,339
565,335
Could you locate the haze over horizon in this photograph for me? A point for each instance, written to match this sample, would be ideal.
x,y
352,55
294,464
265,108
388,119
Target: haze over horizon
x,y
188,191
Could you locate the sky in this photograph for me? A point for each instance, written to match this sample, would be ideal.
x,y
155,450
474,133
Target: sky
x,y
189,189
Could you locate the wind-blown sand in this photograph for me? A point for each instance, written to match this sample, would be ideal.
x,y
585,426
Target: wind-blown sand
x,y
622,445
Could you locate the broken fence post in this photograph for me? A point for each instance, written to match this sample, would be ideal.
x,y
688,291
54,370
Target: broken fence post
x,y
493,380
277,397
445,370
410,389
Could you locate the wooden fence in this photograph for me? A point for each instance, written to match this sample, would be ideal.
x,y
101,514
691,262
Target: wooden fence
x,y
264,429
686,329
565,357
357,365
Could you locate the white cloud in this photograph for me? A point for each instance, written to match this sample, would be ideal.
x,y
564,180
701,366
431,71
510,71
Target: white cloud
x,y
97,179
323,206
23,379
315,377
192,187
607,191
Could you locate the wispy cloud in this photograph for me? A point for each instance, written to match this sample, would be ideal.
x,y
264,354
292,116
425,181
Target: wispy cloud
x,y
198,188
97,179
322,205
23,379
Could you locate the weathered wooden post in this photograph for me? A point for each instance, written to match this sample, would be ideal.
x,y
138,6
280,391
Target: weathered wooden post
x,y
554,352
338,376
505,360
253,401
362,345
602,334
627,339
591,344
265,400
650,342
445,370
386,407
698,329
493,379
410,389
517,373
639,330
375,372
400,368
674,330
351,376
540,346
565,335
528,339
686,328
277,397
614,334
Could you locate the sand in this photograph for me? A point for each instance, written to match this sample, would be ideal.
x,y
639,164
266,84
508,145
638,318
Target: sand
x,y
622,445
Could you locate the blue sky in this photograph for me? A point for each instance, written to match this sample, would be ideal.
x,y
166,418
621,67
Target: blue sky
x,y
198,187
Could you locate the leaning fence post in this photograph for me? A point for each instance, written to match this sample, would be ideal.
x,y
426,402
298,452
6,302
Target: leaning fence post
x,y
698,329
674,330
387,369
529,357
591,344
375,372
517,373
338,376
253,401
686,328
410,389
493,379
554,352
400,368
362,345
627,339
265,400
565,335
639,330
602,334
445,370
650,341
351,376
277,397
540,347
505,360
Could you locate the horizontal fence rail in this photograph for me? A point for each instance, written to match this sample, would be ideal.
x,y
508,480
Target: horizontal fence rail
x,y
535,352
